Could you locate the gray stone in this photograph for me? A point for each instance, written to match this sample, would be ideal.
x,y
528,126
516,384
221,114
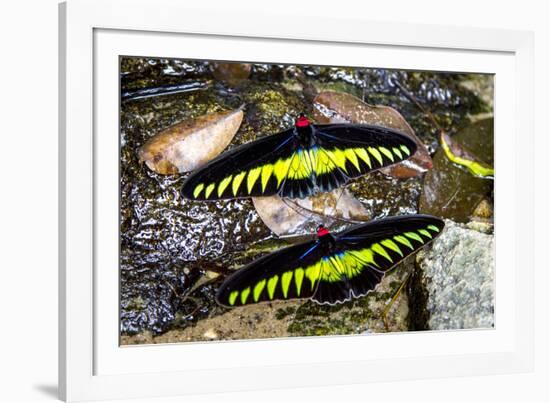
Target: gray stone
x,y
458,273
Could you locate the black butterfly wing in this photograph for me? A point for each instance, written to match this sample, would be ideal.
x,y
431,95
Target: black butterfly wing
x,y
278,164
258,168
331,273
346,151
280,275
366,252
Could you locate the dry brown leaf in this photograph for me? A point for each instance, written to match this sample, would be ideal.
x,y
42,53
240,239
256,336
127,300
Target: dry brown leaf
x,y
191,143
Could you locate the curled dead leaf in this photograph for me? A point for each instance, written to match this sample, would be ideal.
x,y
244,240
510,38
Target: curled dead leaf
x,y
302,216
340,107
191,143
461,156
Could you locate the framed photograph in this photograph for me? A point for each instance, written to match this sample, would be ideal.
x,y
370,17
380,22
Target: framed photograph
x,y
280,206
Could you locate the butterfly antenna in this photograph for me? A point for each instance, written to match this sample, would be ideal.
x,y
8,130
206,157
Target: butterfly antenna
x,y
296,207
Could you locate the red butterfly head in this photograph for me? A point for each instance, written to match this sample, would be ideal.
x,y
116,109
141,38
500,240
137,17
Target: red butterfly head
x,y
302,121
322,231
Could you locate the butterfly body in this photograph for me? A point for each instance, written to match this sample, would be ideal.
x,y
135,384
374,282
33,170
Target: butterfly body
x,y
304,133
333,268
299,162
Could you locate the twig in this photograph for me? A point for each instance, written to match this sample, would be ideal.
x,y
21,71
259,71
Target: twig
x,y
416,102
194,311
213,267
392,301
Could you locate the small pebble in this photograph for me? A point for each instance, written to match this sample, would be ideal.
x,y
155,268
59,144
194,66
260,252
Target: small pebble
x,y
210,334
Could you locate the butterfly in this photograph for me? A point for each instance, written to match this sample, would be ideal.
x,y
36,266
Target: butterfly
x,y
333,268
299,162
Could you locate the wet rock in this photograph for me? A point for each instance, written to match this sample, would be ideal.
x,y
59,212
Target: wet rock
x,y
458,274
138,72
339,107
170,89
451,191
191,143
168,247
384,195
303,216
231,73
341,79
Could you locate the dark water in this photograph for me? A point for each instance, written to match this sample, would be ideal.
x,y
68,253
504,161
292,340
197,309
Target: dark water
x,y
169,245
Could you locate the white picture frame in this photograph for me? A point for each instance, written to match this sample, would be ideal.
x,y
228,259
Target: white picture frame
x,y
93,366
